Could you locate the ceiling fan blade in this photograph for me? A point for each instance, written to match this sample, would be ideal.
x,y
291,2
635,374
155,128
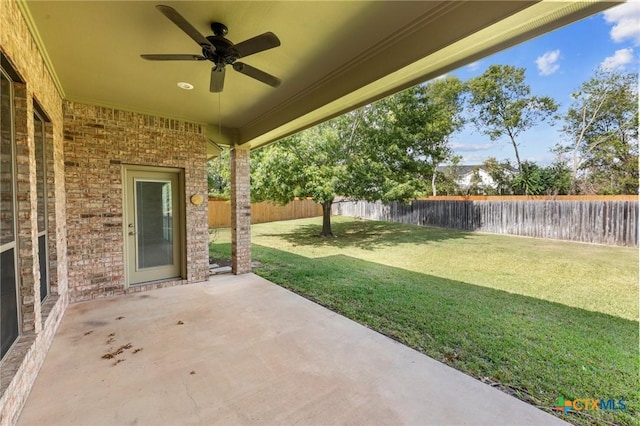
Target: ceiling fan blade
x,y
257,74
170,57
256,44
184,25
217,79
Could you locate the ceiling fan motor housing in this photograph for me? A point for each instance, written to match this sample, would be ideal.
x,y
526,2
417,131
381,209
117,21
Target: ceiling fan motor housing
x,y
223,53
219,29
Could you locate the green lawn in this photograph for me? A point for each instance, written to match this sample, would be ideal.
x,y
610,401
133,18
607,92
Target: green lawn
x,y
539,319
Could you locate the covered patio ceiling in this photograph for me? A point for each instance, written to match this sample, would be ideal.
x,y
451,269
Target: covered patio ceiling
x,y
335,55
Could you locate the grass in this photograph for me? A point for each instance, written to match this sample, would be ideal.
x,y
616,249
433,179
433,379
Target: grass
x,y
539,319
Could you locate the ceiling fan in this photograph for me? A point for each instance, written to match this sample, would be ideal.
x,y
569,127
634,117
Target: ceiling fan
x,y
220,51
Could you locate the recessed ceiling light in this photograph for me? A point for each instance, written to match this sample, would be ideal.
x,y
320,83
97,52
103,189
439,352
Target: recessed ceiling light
x,y
184,85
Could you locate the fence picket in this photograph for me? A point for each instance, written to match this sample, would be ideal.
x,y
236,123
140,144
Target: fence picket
x,y
220,212
611,221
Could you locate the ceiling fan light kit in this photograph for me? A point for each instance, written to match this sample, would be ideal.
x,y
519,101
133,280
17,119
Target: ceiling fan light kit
x,y
219,50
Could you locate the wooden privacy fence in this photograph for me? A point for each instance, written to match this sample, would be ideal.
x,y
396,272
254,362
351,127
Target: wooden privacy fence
x,y
220,212
602,221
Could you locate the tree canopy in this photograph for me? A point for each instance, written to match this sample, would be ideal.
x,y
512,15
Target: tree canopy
x,y
340,157
601,134
502,104
426,116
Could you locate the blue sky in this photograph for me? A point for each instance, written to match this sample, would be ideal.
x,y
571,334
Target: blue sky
x,y
556,64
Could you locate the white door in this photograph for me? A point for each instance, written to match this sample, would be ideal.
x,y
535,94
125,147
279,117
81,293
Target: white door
x,y
153,228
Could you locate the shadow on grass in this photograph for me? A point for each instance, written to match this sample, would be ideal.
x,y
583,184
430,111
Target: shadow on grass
x,y
366,235
534,349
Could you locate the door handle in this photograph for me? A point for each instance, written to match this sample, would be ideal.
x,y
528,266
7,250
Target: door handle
x,y
132,232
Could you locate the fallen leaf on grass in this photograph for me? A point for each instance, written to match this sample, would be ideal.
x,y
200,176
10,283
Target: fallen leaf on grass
x,y
451,357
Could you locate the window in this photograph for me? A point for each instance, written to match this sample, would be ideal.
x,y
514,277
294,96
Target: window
x,y
9,312
41,191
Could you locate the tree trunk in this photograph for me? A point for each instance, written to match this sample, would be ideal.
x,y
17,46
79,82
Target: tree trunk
x,y
326,219
574,172
433,183
515,148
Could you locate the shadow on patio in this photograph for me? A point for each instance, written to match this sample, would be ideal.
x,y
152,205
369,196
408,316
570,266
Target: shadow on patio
x,y
241,350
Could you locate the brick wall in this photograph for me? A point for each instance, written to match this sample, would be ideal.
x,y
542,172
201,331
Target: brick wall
x,y
26,205
240,211
39,321
98,142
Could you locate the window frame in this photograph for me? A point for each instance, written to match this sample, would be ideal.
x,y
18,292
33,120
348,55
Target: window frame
x,y
43,119
6,71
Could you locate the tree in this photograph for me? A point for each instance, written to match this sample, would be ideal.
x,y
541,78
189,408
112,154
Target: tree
x,y
528,180
601,127
385,151
298,166
346,156
537,180
219,175
427,115
556,178
502,104
447,177
502,175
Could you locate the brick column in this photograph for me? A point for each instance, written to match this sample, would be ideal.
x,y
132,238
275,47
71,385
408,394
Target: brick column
x,y
26,210
240,212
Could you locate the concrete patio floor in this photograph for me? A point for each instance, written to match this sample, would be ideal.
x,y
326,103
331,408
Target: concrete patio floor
x,y
241,350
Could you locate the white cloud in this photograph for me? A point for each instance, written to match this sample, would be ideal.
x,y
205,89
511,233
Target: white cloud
x,y
471,147
626,22
548,63
619,60
473,159
473,66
